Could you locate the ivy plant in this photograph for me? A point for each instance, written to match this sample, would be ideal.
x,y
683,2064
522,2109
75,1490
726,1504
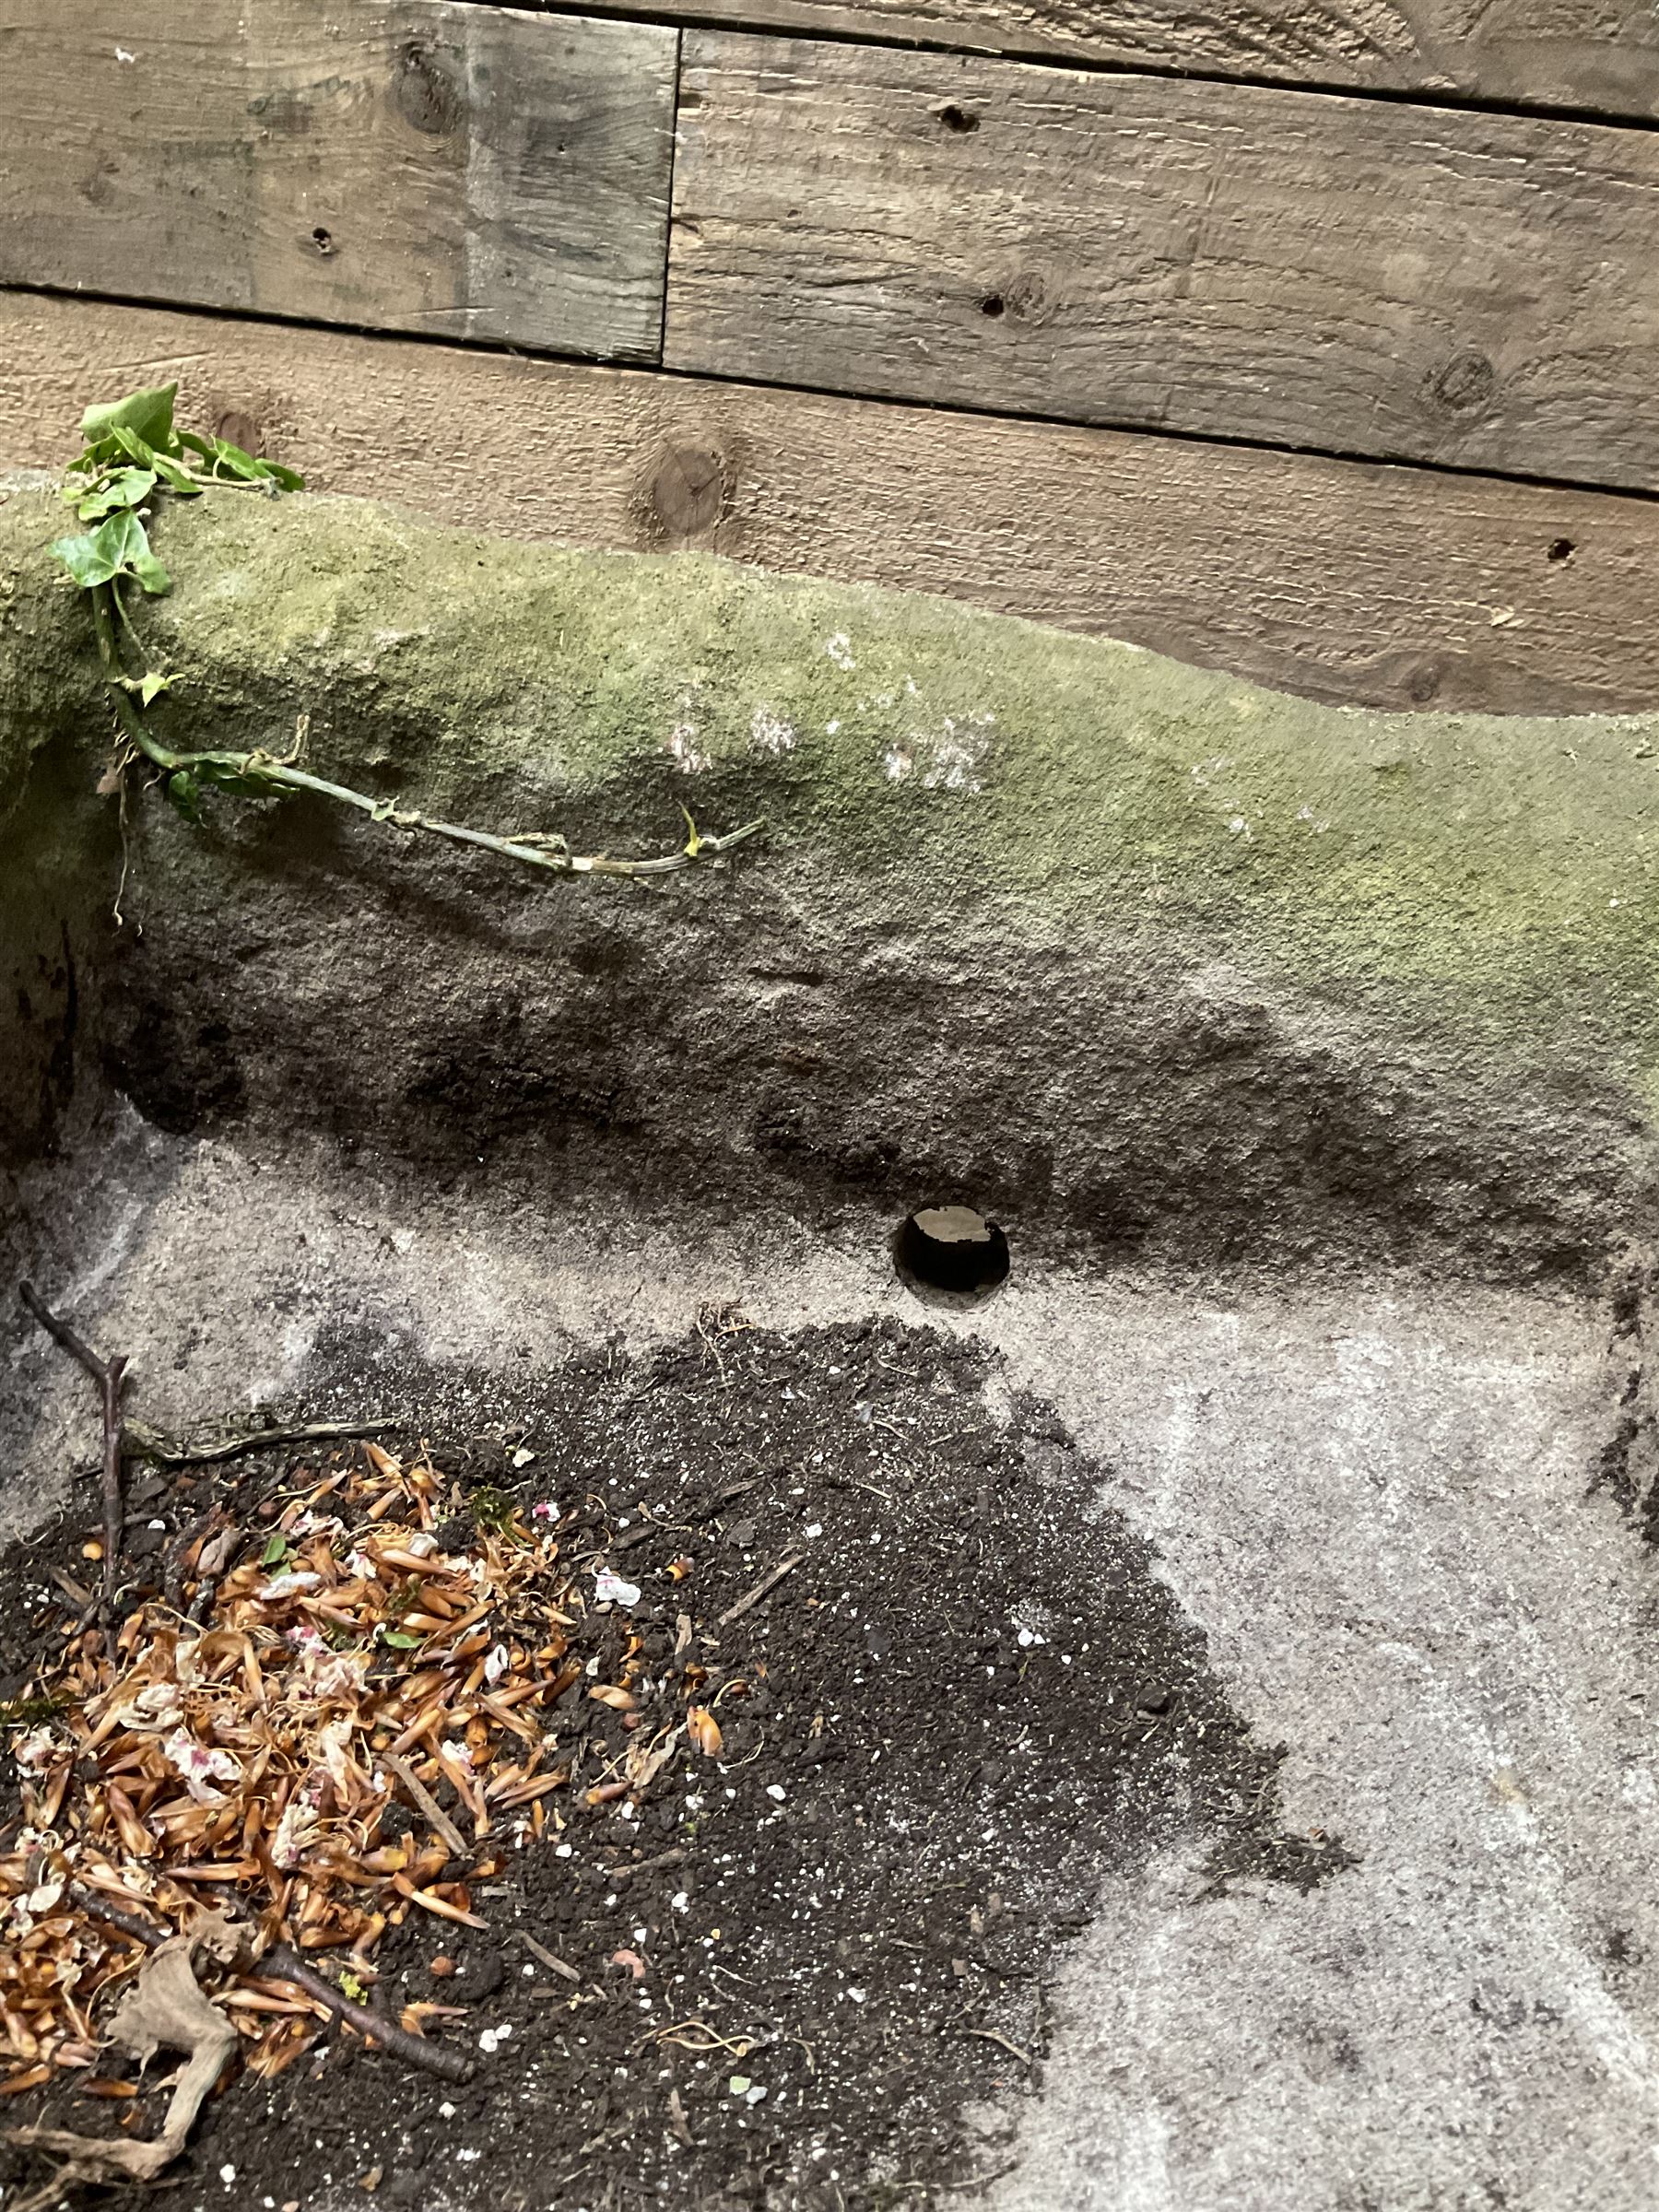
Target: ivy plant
x,y
133,456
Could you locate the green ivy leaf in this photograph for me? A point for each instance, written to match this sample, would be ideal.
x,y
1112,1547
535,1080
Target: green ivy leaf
x,y
122,539
128,546
129,442
231,459
176,478
117,548
124,488
147,415
147,687
275,1547
185,794
400,1640
151,573
84,558
228,460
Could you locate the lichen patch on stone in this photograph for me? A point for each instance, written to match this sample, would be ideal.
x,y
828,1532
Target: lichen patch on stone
x,y
771,733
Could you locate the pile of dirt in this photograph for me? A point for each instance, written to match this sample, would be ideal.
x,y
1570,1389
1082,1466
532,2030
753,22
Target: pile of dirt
x,y
942,1692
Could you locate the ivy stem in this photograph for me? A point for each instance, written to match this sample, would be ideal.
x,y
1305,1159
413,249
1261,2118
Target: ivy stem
x,y
263,769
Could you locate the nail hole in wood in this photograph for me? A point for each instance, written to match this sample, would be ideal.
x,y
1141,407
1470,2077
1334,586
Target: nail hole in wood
x,y
1560,548
958,119
993,305
323,240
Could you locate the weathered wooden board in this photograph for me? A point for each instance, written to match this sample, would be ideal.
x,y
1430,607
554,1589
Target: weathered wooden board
x,y
1392,586
472,172
1600,59
1355,276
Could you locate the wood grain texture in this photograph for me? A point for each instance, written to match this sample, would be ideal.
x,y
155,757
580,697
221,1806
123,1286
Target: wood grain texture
x,y
1599,59
1386,587
470,172
1352,276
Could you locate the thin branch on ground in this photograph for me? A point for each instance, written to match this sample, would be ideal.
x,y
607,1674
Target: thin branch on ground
x,y
141,1931
260,773
453,1842
107,1375
281,1964
142,1442
436,2058
763,1588
971,2183
664,1858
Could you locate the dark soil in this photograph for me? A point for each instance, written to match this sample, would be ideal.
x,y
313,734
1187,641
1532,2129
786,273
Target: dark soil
x,y
970,1699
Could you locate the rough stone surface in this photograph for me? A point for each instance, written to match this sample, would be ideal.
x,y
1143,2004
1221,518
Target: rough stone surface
x,y
1305,1056
1163,962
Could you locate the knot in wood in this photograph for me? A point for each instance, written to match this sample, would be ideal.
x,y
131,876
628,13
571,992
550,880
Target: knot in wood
x,y
687,491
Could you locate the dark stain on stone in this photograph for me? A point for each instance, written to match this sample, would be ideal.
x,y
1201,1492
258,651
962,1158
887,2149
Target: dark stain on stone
x,y
179,1069
57,1077
1421,683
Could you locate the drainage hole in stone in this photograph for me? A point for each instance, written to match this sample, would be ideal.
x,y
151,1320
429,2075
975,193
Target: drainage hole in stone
x,y
951,1249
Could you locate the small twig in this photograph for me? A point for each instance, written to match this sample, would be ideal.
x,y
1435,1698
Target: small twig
x,y
441,1825
634,1536
175,1451
129,1923
664,1858
732,1491
77,1593
436,2058
767,1584
738,2045
107,1375
172,1581
548,1958
283,1965
990,2035
705,1512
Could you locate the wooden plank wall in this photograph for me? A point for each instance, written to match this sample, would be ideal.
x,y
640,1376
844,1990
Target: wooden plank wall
x,y
467,172
1567,54
1333,365
1353,276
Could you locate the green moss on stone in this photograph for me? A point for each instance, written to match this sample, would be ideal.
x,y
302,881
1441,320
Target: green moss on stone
x,y
1496,874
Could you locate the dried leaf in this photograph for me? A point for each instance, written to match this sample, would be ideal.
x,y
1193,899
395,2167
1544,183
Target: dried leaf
x,y
704,1730
608,1693
164,2009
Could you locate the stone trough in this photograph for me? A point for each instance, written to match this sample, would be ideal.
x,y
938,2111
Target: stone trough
x,y
1305,1057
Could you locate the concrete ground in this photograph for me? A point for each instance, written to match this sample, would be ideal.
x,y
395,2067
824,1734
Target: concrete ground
x,y
1376,1502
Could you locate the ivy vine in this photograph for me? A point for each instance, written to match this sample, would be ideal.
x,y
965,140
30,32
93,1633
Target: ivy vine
x,y
134,455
